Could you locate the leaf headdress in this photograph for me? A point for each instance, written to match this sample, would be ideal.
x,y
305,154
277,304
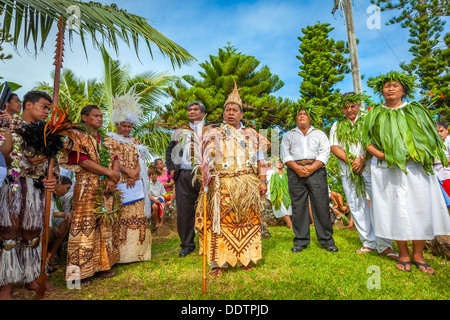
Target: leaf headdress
x,y
406,80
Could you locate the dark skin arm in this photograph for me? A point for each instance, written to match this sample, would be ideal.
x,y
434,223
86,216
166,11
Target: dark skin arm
x,y
357,164
93,167
262,175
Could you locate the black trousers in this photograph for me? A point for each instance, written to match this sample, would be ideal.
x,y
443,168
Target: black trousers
x,y
314,189
186,197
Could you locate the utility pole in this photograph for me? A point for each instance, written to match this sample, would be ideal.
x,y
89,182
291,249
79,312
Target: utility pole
x,y
348,12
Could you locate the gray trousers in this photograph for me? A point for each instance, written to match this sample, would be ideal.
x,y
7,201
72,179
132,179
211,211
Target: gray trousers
x,y
314,189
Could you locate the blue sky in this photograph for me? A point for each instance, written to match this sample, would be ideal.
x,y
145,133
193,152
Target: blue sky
x,y
268,30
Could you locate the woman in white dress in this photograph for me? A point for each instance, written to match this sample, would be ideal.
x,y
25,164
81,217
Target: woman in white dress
x,y
277,185
407,202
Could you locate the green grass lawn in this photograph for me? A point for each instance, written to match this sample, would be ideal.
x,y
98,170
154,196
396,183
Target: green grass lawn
x,y
313,274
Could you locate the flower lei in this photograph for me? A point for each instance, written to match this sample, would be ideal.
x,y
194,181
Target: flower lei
x,y
100,211
14,169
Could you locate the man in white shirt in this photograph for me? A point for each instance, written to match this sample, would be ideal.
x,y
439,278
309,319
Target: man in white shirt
x,y
356,158
306,150
179,165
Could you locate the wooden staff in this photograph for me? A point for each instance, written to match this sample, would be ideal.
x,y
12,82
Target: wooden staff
x,y
42,280
205,195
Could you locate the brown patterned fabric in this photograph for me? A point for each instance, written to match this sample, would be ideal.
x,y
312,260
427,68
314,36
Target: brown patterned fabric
x,y
134,233
92,246
233,220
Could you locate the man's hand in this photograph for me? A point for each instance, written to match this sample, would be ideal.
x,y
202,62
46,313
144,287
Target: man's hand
x,y
110,186
130,183
69,216
114,176
5,115
262,189
358,165
49,184
302,171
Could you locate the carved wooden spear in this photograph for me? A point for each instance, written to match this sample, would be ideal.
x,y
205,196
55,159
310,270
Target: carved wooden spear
x,y
42,280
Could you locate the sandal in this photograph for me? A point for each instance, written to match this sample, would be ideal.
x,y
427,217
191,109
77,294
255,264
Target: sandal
x,y
425,265
364,250
404,264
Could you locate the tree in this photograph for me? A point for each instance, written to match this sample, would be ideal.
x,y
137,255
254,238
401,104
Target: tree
x,y
116,80
323,65
430,57
256,87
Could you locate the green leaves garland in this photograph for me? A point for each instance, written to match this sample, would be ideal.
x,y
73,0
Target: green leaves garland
x,y
279,190
100,212
351,134
407,81
404,133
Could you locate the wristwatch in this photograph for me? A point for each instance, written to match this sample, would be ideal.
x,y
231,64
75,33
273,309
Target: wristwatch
x,y
265,181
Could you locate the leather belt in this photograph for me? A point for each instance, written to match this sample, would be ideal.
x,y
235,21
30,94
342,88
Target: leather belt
x,y
303,162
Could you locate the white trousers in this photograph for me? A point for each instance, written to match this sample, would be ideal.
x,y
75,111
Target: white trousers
x,y
362,216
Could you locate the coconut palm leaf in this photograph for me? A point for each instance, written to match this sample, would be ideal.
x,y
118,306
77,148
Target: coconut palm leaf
x,y
33,21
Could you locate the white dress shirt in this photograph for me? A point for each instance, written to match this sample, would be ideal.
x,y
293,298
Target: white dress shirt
x,y
186,159
312,146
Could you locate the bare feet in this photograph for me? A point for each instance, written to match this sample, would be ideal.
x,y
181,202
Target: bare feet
x,y
248,267
217,272
34,286
5,292
390,253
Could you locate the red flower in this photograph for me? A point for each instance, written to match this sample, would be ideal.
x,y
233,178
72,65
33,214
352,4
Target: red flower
x,y
368,108
431,93
442,96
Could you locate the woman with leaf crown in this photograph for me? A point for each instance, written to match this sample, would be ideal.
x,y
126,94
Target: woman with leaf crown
x,y
407,203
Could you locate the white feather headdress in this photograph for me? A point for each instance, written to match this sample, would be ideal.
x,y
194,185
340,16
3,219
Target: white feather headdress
x,y
126,108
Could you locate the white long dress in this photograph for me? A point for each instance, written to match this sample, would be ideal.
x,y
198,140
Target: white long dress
x,y
282,211
407,206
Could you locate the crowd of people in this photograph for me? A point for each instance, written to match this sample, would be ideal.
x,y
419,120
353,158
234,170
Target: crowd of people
x,y
216,174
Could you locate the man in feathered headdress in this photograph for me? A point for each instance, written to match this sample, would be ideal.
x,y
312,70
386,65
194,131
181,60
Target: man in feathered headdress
x,y
134,234
233,221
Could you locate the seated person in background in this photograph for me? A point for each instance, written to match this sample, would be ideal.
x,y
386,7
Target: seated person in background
x,y
163,175
156,193
60,219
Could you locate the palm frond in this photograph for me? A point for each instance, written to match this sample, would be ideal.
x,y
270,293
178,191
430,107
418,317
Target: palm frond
x,y
33,20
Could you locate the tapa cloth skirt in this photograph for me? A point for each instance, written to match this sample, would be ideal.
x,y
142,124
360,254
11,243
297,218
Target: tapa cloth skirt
x,y
407,206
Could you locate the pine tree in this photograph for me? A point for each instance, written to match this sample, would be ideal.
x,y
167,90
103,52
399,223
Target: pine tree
x,y
430,57
323,65
256,87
